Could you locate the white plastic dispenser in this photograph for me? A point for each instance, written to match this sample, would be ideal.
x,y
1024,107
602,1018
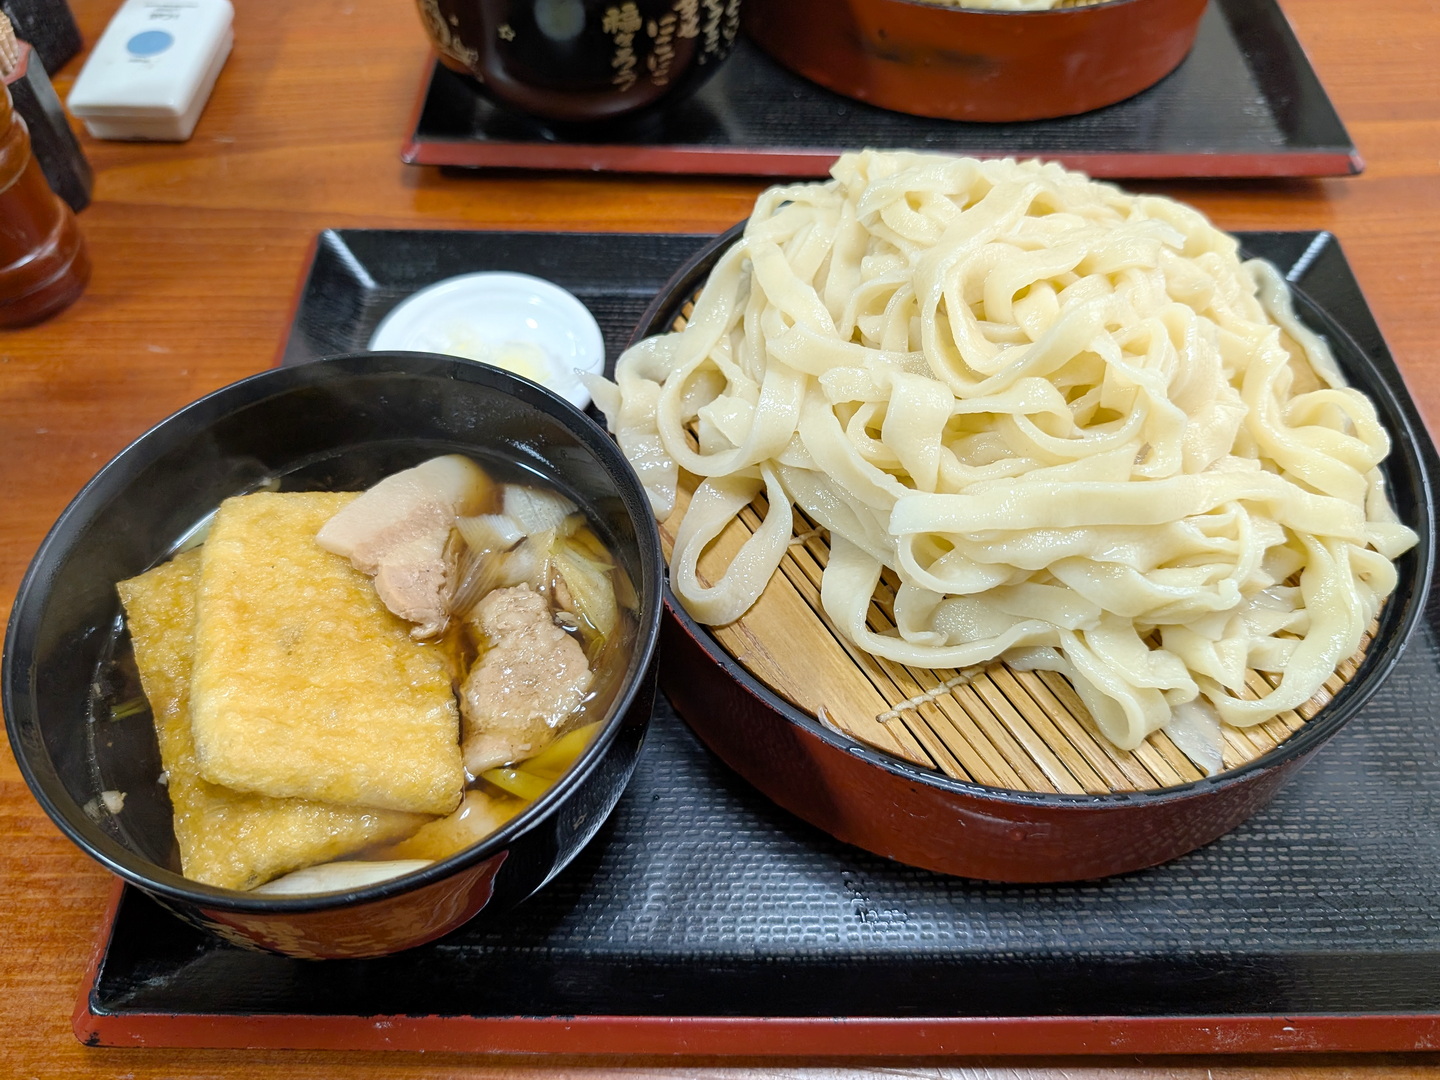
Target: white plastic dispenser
x,y
153,69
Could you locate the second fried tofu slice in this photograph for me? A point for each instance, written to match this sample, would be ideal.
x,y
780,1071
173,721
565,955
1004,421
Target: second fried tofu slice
x,y
304,685
227,838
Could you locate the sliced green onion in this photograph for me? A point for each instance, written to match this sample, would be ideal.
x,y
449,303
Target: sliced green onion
x,y
517,782
561,754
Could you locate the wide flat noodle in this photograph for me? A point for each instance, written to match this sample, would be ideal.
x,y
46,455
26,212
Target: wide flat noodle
x,y
1081,433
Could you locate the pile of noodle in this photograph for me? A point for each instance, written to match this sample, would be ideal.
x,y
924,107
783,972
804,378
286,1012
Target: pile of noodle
x,y
1083,435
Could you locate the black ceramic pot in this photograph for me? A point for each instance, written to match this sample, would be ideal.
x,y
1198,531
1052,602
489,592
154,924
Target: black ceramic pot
x,y
337,424
583,60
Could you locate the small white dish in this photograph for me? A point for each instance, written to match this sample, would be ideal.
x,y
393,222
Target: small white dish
x,y
524,324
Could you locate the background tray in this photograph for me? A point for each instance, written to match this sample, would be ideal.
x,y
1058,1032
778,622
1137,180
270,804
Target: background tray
x,y
1245,102
705,920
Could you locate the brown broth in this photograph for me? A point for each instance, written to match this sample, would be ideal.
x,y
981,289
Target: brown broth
x,y
120,708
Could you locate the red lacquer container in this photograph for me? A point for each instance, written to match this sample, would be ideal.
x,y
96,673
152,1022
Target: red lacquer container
x,y
921,817
967,64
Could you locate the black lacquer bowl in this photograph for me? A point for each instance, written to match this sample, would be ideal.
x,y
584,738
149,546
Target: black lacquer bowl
x,y
579,62
337,424
924,818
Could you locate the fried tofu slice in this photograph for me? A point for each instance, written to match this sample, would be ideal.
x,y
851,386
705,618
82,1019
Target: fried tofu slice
x,y
304,685
227,838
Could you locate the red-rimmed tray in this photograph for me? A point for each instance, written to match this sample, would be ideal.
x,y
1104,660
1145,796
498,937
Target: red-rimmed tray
x,y
705,920
1245,103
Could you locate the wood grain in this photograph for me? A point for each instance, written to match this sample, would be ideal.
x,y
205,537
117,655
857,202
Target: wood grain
x,y
197,249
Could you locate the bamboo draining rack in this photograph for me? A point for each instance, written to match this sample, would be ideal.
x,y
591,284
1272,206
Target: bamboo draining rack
x,y
1016,730
1021,730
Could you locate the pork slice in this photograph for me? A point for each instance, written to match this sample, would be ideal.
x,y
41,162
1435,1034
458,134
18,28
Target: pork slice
x,y
531,677
398,532
413,563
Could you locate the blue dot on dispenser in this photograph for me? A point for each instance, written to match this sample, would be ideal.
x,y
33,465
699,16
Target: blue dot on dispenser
x,y
149,43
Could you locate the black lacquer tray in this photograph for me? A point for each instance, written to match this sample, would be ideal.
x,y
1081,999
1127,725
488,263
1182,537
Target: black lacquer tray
x,y
704,920
1244,103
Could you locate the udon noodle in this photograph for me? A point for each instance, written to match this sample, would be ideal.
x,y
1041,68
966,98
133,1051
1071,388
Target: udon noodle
x,y
1078,430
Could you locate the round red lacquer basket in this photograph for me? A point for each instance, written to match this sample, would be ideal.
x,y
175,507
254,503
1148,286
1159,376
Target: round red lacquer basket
x,y
749,694
964,64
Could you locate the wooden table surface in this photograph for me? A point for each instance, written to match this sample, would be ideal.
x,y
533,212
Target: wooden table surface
x,y
198,248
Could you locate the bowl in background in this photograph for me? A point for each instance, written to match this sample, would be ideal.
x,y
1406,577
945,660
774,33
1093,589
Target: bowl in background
x,y
920,816
338,424
582,61
956,63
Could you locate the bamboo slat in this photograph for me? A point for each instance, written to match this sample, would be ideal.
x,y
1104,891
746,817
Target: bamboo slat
x,y
1018,730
